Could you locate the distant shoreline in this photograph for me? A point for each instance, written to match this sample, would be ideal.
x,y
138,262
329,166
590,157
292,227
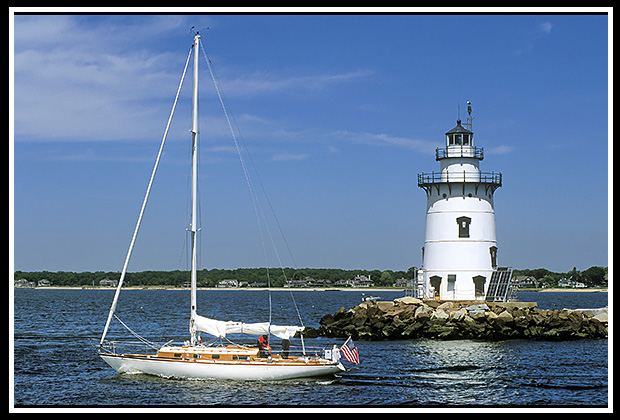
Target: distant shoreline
x,y
300,289
567,290
251,289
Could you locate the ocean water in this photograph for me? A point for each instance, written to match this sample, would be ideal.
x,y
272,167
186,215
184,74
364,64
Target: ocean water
x,y
55,362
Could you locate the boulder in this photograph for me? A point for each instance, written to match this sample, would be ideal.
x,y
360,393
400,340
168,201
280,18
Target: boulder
x,y
412,330
423,312
491,316
448,306
601,317
521,322
478,307
458,315
340,313
358,320
505,316
407,300
407,312
385,306
326,320
439,316
478,310
373,311
308,332
592,312
432,303
575,317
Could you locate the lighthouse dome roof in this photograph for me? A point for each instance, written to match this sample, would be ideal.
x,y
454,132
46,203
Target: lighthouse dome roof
x,y
459,129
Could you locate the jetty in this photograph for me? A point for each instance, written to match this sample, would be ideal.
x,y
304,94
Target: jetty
x,y
409,318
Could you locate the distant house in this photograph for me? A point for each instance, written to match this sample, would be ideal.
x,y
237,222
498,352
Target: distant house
x,y
23,283
296,283
343,283
526,281
362,281
43,283
318,282
228,283
405,283
564,282
108,283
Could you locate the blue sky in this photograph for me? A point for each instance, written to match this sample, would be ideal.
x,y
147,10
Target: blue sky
x,y
339,113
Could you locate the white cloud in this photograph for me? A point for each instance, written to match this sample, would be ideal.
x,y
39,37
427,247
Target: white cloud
x,y
423,146
500,150
75,83
546,27
103,79
266,82
287,157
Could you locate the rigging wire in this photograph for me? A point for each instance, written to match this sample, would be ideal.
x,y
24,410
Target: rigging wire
x,y
253,194
144,340
144,202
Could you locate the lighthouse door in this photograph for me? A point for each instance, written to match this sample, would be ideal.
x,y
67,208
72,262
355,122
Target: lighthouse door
x,y
479,286
436,286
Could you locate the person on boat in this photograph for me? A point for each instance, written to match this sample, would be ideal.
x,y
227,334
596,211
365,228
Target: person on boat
x,y
263,346
285,346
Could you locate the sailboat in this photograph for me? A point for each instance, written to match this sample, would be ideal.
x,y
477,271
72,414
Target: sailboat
x,y
193,359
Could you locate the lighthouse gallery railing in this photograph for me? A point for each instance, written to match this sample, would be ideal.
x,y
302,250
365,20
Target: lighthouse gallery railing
x,y
428,178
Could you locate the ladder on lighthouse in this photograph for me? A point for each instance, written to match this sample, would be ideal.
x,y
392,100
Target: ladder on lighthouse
x,y
499,286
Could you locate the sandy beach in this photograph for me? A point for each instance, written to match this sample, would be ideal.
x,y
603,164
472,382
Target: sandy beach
x,y
567,290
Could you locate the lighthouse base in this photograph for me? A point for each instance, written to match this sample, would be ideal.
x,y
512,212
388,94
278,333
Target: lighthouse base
x,y
488,286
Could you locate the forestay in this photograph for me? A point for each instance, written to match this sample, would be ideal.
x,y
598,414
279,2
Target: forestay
x,y
221,328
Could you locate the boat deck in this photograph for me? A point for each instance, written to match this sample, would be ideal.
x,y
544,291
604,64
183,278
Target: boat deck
x,y
225,355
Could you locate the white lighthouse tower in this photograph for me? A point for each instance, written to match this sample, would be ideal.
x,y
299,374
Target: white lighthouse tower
x,y
460,249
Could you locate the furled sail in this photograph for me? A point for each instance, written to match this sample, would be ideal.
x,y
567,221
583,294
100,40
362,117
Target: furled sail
x,y
221,328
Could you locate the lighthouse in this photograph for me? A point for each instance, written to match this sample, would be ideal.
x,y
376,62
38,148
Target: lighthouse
x,y
460,248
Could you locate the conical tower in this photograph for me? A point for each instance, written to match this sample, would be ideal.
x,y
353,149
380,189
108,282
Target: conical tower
x,y
460,248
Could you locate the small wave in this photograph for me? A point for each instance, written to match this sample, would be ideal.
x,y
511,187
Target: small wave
x,y
326,382
444,369
570,387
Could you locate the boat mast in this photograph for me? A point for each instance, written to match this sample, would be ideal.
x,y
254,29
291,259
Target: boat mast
x,y
194,228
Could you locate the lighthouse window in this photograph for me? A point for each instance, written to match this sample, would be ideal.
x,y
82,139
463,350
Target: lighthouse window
x,y
463,223
493,251
465,139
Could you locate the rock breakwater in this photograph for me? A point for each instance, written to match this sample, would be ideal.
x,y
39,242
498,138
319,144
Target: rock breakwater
x,y
408,317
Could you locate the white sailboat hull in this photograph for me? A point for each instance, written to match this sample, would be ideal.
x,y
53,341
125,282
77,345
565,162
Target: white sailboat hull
x,y
201,370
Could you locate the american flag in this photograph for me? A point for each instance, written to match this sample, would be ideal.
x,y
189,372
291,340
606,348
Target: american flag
x,y
349,351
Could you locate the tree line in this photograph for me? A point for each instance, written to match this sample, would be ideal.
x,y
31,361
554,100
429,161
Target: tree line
x,y
276,277
592,277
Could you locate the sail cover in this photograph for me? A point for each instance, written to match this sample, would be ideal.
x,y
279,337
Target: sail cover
x,y
221,328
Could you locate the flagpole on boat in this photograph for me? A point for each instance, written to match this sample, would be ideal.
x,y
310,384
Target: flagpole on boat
x,y
194,227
